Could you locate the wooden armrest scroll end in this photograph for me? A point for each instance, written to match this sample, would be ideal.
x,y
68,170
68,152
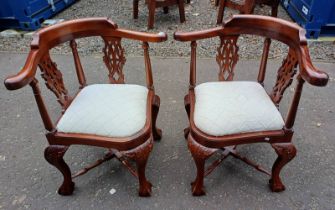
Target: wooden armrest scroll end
x,y
309,73
25,76
314,76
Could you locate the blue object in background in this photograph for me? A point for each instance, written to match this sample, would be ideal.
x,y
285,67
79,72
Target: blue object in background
x,y
29,14
316,16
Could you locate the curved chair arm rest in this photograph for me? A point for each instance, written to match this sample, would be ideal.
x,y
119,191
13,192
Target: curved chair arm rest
x,y
141,36
197,35
308,72
26,75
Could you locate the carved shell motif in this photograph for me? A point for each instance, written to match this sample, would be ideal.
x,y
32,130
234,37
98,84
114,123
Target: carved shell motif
x,y
54,79
227,57
285,76
114,59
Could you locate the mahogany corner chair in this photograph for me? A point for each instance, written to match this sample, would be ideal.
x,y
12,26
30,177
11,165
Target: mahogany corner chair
x,y
153,4
222,115
245,6
117,116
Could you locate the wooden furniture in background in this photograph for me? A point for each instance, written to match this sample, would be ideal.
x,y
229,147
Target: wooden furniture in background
x,y
245,6
153,4
116,116
228,113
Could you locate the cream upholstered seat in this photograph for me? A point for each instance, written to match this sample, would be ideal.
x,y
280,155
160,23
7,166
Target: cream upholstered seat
x,y
112,110
232,107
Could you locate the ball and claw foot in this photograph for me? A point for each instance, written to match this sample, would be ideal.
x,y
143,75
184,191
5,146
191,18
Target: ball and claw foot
x,y
145,189
276,187
66,189
157,134
197,190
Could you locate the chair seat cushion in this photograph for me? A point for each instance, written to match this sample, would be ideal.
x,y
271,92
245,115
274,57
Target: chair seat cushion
x,y
111,110
224,108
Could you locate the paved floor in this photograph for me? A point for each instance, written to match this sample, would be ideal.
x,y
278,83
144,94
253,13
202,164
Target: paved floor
x,y
28,182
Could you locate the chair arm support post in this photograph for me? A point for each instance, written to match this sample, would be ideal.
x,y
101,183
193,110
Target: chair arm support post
x,y
147,63
77,63
295,103
27,73
265,55
193,64
48,125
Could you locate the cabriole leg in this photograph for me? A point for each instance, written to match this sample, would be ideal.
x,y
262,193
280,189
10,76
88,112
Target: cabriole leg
x,y
286,152
54,155
140,155
199,154
157,133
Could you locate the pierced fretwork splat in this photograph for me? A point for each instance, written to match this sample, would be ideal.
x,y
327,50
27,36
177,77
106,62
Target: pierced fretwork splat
x,y
227,57
54,79
285,76
114,59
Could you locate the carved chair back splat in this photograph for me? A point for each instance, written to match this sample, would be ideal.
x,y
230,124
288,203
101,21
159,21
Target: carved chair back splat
x,y
203,139
135,146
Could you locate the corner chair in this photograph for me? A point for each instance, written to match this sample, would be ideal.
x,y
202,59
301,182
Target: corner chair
x,y
227,113
117,116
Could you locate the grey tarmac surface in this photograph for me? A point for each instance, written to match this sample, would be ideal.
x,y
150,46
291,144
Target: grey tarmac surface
x,y
28,182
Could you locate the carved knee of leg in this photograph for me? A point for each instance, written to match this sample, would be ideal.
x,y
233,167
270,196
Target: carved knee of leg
x,y
286,152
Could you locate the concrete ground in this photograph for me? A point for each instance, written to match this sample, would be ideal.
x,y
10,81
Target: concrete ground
x,y
28,182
